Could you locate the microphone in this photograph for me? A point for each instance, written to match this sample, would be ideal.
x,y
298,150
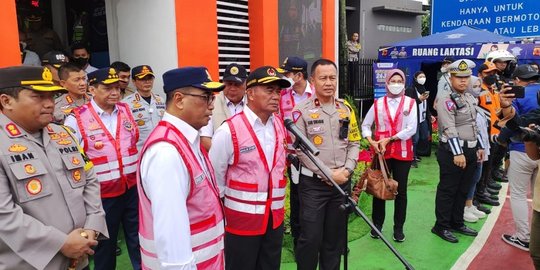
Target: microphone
x,y
300,138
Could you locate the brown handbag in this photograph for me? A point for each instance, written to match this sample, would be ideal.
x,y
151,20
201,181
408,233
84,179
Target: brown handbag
x,y
377,182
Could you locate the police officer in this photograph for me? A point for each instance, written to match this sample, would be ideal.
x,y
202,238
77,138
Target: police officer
x,y
73,79
460,150
53,60
51,209
325,121
228,103
147,107
124,73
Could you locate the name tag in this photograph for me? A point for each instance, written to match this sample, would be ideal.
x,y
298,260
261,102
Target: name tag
x,y
199,178
247,149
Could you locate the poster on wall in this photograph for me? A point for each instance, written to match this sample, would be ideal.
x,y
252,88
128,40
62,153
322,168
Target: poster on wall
x,y
379,78
504,17
300,29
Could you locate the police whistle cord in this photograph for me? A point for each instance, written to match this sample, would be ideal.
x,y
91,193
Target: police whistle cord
x,y
349,203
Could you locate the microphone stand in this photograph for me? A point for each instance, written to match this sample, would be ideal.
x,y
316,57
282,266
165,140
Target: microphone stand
x,y
347,205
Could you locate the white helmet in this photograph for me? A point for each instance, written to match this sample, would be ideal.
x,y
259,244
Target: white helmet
x,y
501,55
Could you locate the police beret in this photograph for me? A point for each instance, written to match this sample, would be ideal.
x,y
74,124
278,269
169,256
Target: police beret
x,y
140,72
197,77
35,78
461,68
235,73
106,75
54,58
266,75
293,64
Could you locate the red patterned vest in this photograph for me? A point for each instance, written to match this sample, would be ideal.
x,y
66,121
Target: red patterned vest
x,y
387,127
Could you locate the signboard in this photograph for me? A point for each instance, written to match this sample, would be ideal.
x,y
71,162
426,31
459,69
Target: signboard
x,y
379,78
504,17
469,51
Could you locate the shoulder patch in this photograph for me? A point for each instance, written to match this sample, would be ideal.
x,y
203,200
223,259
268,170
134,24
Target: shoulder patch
x,y
450,105
296,115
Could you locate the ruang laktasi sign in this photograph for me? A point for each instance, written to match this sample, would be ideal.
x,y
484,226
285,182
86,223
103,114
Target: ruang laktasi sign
x,y
469,51
514,18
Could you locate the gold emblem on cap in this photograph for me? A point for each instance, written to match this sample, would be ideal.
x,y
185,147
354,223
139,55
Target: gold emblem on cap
x,y
271,72
47,74
463,66
234,70
145,70
112,71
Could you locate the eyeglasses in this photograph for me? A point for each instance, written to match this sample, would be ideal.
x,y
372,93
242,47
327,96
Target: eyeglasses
x,y
208,98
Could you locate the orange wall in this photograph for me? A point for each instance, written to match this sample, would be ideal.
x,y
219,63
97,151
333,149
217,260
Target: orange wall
x,y
9,47
196,34
263,33
329,29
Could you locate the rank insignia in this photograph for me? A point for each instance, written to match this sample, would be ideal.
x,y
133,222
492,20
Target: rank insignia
x,y
76,175
34,186
296,115
64,142
127,125
17,148
137,98
69,99
13,130
29,169
75,161
98,145
136,104
49,129
54,136
67,111
317,140
63,135
141,122
314,116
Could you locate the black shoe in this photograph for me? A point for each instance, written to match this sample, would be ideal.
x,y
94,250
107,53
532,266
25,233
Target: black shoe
x,y
482,208
118,251
494,185
465,231
414,164
398,236
488,201
445,235
374,234
503,179
492,191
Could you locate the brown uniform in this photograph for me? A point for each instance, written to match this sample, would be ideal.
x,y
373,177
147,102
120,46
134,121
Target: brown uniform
x,y
64,104
46,191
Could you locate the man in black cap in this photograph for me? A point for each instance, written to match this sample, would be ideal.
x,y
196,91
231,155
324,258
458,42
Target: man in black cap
x,y
53,60
178,195
249,162
228,103
109,135
51,210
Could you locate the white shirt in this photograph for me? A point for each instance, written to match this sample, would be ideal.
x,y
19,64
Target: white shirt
x,y
109,120
208,130
299,98
222,155
89,69
409,121
166,180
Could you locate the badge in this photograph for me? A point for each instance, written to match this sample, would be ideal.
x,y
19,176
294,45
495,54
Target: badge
x,y
93,126
140,123
317,102
75,161
34,186
296,115
13,130
343,115
17,148
76,175
64,142
450,105
140,115
98,145
406,113
54,136
29,169
92,137
288,102
314,116
63,135
49,129
234,70
271,72
317,140
136,104
127,125
313,110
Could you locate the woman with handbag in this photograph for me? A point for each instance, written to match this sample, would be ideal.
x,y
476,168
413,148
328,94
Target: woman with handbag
x,y
394,117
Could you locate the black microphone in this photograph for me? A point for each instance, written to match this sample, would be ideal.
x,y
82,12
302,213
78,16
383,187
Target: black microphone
x,y
289,124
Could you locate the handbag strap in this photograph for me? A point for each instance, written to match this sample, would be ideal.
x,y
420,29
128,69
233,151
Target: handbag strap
x,y
384,166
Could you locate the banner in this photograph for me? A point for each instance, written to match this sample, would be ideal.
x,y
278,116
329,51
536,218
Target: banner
x,y
379,78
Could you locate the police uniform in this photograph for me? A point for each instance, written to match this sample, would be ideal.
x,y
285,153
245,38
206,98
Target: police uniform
x,y
459,136
319,202
64,104
147,116
48,189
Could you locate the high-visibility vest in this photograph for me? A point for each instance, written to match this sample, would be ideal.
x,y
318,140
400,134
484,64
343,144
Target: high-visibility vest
x,y
253,189
387,127
203,206
114,155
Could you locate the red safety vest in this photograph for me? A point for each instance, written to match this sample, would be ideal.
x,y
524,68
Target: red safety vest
x,y
114,156
387,127
203,205
252,188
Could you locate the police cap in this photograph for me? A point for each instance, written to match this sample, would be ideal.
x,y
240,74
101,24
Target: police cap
x,y
197,77
34,78
266,75
106,75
